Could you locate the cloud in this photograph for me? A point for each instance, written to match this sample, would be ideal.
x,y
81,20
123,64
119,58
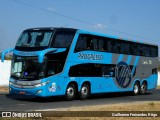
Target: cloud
x,y
99,26
52,9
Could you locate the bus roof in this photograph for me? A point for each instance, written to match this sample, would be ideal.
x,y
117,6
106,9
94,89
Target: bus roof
x,y
89,32
51,28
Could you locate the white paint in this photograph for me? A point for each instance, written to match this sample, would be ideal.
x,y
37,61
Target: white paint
x,y
5,72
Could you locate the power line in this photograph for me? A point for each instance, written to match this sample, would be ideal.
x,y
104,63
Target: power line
x,y
53,12
82,21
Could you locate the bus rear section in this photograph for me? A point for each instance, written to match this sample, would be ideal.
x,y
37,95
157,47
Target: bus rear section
x,y
102,64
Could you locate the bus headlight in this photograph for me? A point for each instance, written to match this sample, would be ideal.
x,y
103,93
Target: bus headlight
x,y
38,85
42,84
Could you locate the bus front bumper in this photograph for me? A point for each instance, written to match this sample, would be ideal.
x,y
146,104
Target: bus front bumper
x,y
42,91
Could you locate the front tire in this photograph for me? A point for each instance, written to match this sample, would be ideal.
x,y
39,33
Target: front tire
x,y
143,88
70,92
84,92
136,89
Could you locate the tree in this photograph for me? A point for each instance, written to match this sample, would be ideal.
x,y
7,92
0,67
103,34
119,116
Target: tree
x,y
7,57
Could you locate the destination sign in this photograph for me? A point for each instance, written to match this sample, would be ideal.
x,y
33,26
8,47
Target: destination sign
x,y
28,53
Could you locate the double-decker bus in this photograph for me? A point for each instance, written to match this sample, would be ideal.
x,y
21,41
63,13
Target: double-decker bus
x,y
72,62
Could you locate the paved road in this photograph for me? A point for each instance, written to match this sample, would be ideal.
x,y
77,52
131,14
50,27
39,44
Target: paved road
x,y
20,103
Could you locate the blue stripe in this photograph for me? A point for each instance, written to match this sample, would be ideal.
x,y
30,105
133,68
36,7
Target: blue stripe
x,y
135,64
120,58
129,59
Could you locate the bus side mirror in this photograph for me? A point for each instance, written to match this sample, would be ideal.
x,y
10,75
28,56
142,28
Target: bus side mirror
x,y
44,52
5,52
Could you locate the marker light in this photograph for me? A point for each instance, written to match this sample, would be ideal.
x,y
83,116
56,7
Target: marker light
x,y
39,91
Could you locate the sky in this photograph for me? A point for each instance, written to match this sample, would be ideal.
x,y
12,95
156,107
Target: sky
x,y
137,20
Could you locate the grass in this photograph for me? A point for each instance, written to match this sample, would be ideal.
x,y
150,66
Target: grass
x,y
4,89
158,87
138,106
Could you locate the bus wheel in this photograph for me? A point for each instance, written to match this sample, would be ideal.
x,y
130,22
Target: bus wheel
x,y
70,92
84,92
136,89
143,88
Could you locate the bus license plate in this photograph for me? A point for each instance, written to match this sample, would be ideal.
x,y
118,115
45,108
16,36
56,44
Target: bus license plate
x,y
22,92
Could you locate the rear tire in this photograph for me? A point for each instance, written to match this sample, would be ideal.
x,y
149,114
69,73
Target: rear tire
x,y
136,89
84,92
143,88
70,92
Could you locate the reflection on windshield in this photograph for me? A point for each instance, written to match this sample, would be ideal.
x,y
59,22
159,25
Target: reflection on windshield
x,y
28,68
34,39
25,68
53,67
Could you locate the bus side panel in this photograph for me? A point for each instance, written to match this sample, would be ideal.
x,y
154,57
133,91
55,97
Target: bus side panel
x,y
152,81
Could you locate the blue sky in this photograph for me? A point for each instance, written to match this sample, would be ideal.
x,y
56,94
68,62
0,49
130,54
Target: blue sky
x,y
140,18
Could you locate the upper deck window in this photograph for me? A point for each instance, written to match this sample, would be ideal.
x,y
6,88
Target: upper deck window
x,y
90,42
113,45
34,39
63,39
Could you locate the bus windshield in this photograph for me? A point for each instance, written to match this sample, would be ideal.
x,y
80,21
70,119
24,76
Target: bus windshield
x,y
25,67
34,39
28,68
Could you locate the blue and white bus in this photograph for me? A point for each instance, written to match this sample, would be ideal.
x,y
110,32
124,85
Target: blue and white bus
x,y
72,62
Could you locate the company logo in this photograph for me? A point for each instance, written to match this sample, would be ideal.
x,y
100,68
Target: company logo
x,y
6,114
123,74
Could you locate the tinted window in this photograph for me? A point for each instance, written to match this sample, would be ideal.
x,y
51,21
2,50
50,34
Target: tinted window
x,y
81,43
97,43
85,70
84,42
89,42
114,46
101,44
135,49
63,39
154,71
94,70
154,51
125,48
108,71
145,50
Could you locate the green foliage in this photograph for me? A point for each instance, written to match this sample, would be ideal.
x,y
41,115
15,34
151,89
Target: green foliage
x,y
7,57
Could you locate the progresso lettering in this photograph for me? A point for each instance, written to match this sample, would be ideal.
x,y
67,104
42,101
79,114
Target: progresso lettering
x,y
90,56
